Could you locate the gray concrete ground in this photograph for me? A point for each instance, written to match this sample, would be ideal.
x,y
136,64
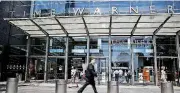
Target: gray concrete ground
x,y
50,88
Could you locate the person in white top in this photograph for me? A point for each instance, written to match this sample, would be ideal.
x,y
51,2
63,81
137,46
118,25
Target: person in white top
x,y
116,73
163,75
74,77
120,73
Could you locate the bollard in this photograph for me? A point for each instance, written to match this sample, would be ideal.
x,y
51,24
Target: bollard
x,y
12,85
114,87
167,87
61,86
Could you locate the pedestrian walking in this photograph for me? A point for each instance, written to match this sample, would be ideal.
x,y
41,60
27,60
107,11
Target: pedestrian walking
x,y
128,76
89,77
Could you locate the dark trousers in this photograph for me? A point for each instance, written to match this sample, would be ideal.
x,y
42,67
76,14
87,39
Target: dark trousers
x,y
89,82
116,77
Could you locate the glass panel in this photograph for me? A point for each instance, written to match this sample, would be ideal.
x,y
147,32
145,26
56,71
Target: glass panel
x,y
169,30
73,26
56,68
57,46
29,27
174,18
50,27
166,46
125,18
146,25
35,32
22,22
171,24
120,57
143,33
18,50
97,19
81,31
145,30
123,25
78,35
105,25
166,33
36,68
55,32
142,48
121,31
153,18
44,21
37,35
167,54
77,54
71,20
15,65
94,34
38,46
98,30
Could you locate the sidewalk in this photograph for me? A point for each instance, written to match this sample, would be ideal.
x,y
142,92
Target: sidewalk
x,y
50,88
42,84
100,89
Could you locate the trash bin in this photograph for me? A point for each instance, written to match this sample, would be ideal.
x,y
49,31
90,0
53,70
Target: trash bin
x,y
12,85
61,86
114,87
167,87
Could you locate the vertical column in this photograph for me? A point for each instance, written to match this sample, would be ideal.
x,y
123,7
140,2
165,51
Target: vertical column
x,y
155,60
46,59
32,9
132,61
110,58
109,67
88,49
178,54
66,59
27,57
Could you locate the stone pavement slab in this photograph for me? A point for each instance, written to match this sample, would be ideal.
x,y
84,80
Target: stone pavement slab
x,y
50,88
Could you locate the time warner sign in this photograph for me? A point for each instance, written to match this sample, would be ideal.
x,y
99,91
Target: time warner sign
x,y
108,8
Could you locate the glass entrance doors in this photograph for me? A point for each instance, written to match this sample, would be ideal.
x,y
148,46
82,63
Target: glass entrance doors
x,y
56,68
101,68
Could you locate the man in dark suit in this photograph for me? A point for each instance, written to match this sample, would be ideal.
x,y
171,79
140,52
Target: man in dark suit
x,y
89,77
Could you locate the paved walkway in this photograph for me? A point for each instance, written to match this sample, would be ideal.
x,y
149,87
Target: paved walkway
x,y
101,89
50,88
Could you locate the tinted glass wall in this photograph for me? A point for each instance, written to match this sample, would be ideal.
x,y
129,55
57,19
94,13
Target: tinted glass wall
x,y
75,7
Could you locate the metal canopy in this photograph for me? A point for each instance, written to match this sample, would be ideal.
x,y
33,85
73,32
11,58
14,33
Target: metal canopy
x,y
159,24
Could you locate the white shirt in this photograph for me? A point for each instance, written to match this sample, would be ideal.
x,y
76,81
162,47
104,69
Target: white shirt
x,y
120,72
73,72
116,72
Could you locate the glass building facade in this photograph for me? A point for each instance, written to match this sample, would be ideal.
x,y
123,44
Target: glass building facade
x,y
137,50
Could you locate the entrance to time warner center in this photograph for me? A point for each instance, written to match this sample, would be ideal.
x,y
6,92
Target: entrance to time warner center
x,y
134,52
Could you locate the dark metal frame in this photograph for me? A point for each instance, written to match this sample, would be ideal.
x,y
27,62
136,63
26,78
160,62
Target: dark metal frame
x,y
161,26
135,26
39,27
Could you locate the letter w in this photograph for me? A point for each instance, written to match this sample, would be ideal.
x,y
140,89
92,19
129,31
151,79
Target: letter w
x,y
78,11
